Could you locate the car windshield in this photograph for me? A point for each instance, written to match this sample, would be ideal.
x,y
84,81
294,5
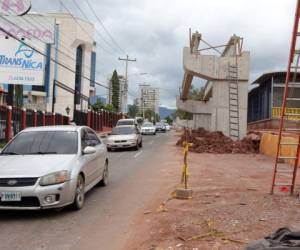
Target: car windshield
x,y
124,123
123,131
43,142
147,125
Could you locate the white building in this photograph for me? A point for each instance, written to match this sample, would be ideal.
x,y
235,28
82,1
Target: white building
x,y
122,93
149,98
74,74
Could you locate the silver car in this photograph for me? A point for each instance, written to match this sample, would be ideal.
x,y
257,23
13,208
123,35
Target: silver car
x,y
51,167
124,137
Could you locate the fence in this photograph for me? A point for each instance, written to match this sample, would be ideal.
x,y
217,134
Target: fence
x,y
276,113
13,120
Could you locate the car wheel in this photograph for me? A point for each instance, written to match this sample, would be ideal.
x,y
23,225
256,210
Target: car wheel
x,y
108,149
137,146
79,194
141,144
104,180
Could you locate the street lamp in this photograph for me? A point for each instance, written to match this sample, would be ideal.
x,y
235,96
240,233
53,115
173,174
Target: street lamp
x,y
68,110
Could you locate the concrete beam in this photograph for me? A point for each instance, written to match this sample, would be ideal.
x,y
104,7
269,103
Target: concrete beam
x,y
194,107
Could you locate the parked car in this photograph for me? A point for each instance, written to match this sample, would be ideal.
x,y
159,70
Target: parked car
x,y
160,127
148,129
124,137
51,167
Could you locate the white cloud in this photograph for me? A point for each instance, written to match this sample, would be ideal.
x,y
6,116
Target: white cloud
x,y
155,32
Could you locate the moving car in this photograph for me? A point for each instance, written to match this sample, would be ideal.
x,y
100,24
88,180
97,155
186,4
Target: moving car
x,y
124,137
168,127
148,129
160,127
51,167
127,122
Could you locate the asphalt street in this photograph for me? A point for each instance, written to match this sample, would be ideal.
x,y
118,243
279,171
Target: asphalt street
x,y
108,213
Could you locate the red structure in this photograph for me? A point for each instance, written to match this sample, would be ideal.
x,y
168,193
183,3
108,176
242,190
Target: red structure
x,y
15,119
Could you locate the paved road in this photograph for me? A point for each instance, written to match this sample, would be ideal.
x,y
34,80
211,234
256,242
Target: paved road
x,y
108,213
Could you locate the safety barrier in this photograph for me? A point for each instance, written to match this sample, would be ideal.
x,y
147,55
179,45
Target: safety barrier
x,y
276,113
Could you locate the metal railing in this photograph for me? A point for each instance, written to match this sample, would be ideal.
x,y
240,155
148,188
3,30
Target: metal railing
x,y
276,113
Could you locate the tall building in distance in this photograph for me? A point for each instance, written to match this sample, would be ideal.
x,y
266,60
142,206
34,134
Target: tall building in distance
x,y
149,98
122,94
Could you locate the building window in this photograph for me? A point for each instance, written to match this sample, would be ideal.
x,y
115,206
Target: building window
x,y
78,75
93,69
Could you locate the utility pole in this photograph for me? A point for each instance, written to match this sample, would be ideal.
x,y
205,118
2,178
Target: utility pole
x,y
127,60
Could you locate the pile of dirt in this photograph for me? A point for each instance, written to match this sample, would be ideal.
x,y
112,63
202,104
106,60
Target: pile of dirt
x,y
216,142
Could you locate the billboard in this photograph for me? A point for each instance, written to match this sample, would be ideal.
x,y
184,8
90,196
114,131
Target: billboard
x,y
29,26
19,64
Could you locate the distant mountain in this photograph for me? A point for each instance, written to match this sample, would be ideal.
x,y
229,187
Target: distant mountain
x,y
165,112
93,99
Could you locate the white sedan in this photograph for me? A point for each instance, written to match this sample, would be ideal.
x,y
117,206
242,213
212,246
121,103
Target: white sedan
x,y
148,129
51,167
124,137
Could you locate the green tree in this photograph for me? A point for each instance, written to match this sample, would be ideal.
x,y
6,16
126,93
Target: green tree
x,y
110,107
133,111
196,94
115,90
150,115
169,120
98,105
183,115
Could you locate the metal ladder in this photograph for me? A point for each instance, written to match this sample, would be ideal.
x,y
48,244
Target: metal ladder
x,y
234,125
280,170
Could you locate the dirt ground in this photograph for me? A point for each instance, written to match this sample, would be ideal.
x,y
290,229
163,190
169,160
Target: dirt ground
x,y
231,205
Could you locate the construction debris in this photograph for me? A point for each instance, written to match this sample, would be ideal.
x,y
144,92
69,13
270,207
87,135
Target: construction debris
x,y
216,142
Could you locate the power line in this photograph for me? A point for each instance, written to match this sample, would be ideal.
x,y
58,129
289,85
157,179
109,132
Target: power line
x,y
43,54
66,8
102,25
85,16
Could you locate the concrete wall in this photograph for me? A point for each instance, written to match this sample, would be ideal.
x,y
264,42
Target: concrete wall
x,y
220,107
212,67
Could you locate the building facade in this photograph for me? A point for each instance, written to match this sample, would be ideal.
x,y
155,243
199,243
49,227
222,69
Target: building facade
x,y
265,98
122,93
149,99
70,68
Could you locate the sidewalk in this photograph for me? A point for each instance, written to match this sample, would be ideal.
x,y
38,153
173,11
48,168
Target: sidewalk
x,y
231,205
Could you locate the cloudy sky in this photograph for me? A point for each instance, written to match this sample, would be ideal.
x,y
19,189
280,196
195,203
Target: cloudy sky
x,y
155,31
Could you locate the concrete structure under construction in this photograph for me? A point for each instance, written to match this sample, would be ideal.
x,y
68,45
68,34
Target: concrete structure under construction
x,y
224,106
122,93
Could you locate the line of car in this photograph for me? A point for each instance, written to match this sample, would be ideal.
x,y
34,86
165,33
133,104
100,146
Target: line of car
x,y
128,134
53,167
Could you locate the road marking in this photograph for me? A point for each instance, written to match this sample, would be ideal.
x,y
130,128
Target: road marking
x,y
151,142
138,154
120,155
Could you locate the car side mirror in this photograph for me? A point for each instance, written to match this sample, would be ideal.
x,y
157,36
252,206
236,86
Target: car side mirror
x,y
89,150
